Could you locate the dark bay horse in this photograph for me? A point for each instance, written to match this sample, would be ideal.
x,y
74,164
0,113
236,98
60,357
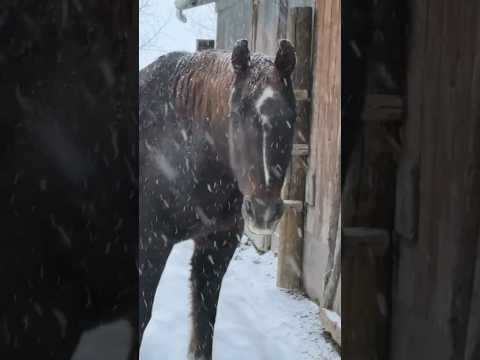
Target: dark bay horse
x,y
216,133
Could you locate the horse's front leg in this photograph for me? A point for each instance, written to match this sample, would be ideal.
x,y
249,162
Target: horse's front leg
x,y
152,260
210,260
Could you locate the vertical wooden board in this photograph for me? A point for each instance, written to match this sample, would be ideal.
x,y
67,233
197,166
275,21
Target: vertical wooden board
x,y
325,147
435,276
268,24
473,337
365,260
234,20
334,268
282,19
298,18
292,226
368,197
267,27
290,259
337,306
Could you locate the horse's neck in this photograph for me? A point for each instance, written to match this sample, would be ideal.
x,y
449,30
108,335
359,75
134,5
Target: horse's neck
x,y
202,94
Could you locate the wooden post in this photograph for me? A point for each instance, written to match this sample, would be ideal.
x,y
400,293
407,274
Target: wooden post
x,y
365,306
299,32
205,44
323,188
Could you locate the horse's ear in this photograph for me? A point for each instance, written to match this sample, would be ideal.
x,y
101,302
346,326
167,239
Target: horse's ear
x,y
240,56
285,59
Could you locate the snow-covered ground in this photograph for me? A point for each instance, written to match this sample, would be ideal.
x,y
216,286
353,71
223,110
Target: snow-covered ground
x,y
255,320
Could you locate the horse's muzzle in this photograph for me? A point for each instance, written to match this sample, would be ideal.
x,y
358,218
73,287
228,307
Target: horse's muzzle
x,y
261,218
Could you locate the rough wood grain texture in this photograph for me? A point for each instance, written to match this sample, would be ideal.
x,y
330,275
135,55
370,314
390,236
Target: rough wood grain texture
x,y
382,107
365,261
324,160
368,196
269,23
473,340
372,110
332,324
436,283
234,21
289,271
334,267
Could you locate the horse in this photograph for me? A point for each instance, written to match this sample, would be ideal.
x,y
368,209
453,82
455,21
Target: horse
x,y
216,132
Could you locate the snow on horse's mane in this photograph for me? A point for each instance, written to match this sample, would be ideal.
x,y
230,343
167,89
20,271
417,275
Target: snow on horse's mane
x,y
203,82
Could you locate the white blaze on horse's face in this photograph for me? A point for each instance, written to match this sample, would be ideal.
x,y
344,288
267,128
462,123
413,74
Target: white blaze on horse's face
x,y
262,112
267,94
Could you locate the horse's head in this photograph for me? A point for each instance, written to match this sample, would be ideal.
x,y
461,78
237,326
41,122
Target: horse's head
x,y
261,131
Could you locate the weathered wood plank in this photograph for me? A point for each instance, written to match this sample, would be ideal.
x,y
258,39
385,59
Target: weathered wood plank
x,y
384,108
324,160
332,323
234,21
365,264
289,272
334,269
436,282
472,350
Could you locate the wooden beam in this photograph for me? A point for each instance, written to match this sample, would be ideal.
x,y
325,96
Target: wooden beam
x,y
383,108
300,150
289,275
295,204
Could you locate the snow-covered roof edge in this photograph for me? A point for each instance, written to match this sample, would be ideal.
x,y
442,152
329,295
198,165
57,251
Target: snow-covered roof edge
x,y
188,4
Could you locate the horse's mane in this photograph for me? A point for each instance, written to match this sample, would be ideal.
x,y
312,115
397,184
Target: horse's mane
x,y
203,83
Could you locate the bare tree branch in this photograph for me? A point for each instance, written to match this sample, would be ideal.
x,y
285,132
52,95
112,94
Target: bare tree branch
x,y
147,42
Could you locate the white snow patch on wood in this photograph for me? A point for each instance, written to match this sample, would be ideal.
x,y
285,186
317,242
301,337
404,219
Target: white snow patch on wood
x,y
332,323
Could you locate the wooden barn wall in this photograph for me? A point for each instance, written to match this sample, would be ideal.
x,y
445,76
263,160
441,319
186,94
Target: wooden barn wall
x,y
234,21
324,162
436,298
262,22
269,24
